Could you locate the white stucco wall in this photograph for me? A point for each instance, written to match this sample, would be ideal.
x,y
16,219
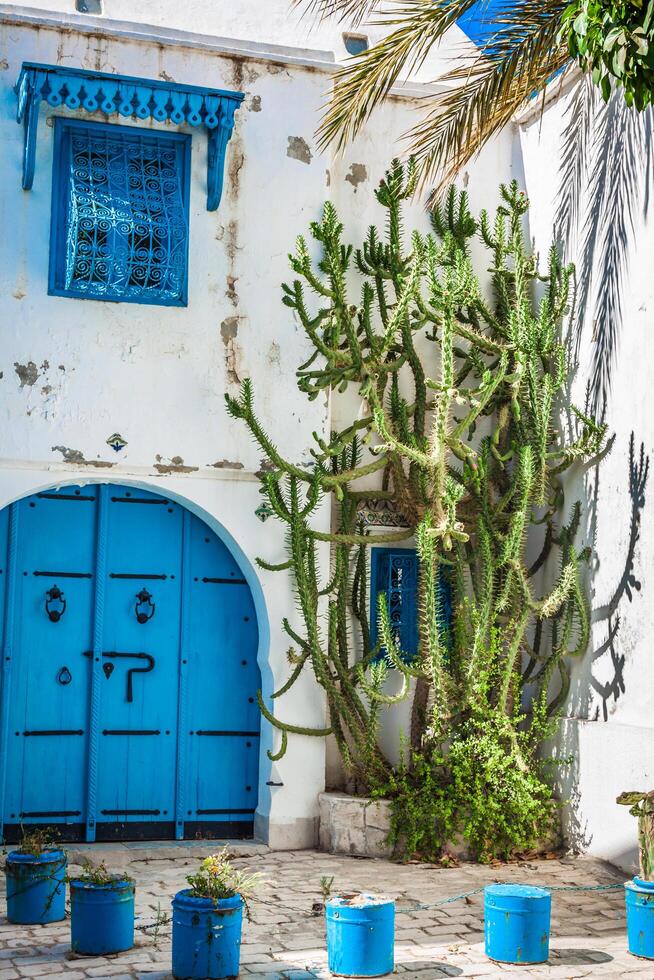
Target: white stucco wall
x,y
281,22
75,372
609,726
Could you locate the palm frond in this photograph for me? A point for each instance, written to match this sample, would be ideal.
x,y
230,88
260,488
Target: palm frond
x,y
477,98
367,79
484,96
352,11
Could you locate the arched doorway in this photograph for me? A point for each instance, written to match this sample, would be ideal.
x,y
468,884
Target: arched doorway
x,y
128,700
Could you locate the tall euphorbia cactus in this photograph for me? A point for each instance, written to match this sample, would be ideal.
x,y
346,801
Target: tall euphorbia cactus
x,y
459,423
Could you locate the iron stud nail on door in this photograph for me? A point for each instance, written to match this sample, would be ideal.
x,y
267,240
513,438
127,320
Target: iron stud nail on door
x,y
55,604
144,606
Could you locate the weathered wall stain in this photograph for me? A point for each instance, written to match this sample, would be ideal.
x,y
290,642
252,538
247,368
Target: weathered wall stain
x,y
274,354
358,173
298,149
255,104
27,373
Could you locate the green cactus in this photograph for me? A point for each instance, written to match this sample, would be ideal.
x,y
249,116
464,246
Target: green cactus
x,y
459,424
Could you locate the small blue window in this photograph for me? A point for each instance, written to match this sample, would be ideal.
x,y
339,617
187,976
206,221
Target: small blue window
x,y
120,203
394,571
355,43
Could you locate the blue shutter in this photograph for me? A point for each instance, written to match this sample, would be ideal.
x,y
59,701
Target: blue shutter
x,y
120,214
395,572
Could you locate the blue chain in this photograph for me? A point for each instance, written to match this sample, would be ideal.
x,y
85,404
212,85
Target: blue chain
x,y
421,907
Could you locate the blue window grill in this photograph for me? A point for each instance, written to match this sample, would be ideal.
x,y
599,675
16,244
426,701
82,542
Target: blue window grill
x,y
120,203
394,571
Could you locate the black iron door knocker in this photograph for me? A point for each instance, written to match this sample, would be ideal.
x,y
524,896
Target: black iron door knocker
x,y
144,606
55,604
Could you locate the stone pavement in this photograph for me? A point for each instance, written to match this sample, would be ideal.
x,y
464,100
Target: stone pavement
x,y
285,941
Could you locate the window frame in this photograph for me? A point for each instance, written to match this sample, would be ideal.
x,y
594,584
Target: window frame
x,y
59,209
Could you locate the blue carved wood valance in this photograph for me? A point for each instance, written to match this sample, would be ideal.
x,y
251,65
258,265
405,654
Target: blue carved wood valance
x,y
139,98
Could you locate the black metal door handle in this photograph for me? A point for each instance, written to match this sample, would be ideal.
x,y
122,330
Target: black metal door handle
x,y
117,654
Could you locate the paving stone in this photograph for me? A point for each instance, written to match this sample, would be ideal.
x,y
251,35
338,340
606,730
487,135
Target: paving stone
x,y
285,942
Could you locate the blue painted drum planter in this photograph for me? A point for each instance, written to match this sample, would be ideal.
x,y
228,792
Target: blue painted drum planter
x,y
517,923
101,917
36,887
206,936
639,897
360,935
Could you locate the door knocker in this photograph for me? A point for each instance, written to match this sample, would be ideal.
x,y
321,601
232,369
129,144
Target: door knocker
x,y
55,604
64,676
144,606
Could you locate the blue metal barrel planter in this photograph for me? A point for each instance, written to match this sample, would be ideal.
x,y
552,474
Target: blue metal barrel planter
x,y
36,887
639,898
517,923
360,935
206,936
101,917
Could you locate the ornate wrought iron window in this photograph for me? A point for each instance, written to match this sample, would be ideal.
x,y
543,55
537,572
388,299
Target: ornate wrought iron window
x,y
120,202
395,572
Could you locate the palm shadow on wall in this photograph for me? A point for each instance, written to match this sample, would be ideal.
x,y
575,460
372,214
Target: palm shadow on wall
x,y
611,689
603,683
604,190
604,194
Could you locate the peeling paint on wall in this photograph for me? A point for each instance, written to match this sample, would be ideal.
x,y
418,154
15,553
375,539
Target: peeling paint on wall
x,y
174,465
229,333
358,173
265,466
76,456
226,464
27,373
298,149
230,292
229,329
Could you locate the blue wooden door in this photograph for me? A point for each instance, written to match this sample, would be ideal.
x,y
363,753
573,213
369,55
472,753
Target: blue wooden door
x,y
129,677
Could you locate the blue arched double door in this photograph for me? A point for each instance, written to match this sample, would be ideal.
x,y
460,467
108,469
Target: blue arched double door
x,y
128,700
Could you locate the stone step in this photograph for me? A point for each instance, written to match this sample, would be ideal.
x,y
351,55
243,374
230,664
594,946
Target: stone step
x,y
121,853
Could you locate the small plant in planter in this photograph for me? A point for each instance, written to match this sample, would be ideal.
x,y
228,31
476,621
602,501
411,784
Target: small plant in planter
x,y
101,910
639,893
208,918
642,806
36,879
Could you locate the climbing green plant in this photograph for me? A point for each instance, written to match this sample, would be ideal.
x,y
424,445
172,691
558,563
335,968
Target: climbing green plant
x,y
456,430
